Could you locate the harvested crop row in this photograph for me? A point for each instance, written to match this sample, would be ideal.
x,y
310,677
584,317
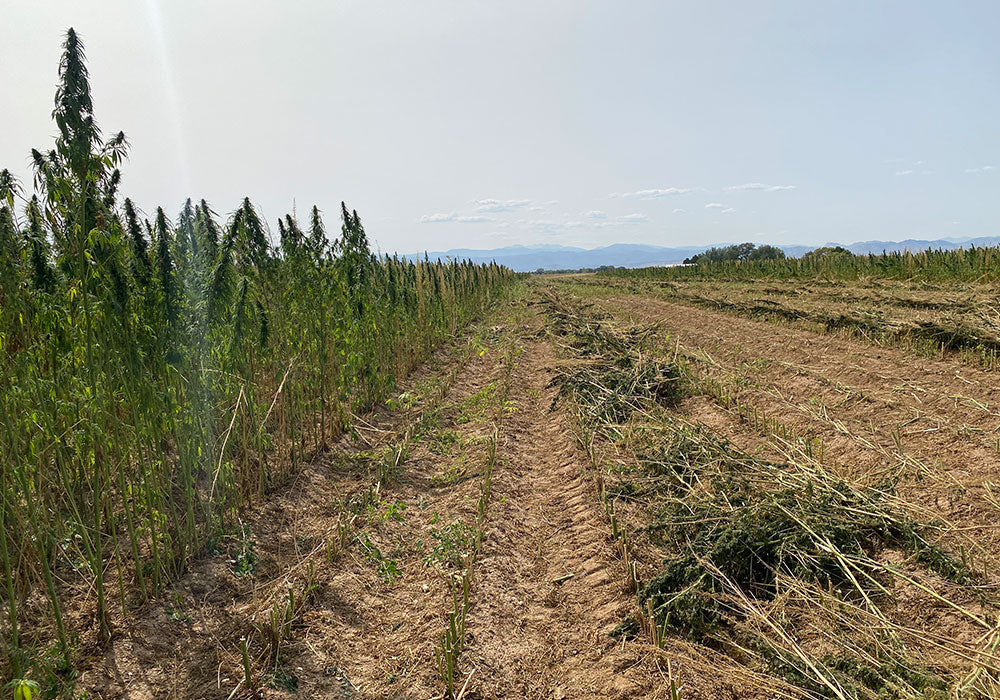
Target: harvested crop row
x,y
927,324
788,568
376,630
877,413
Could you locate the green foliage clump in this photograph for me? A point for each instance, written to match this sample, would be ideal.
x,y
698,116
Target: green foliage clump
x,y
454,543
828,252
745,531
737,253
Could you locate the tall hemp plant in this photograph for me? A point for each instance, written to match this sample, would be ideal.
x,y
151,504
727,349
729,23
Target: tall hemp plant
x,y
158,375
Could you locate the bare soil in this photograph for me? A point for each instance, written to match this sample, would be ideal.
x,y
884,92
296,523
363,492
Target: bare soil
x,y
552,589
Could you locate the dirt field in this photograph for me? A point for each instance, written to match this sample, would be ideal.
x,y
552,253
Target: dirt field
x,y
602,491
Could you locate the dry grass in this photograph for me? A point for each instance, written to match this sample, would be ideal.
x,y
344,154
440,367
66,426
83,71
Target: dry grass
x,y
786,567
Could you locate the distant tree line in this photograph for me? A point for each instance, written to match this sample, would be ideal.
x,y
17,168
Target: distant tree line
x,y
979,265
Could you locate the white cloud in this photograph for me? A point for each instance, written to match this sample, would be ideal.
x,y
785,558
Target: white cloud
x,y
501,205
441,218
436,218
590,220
899,173
980,169
633,218
727,210
655,194
759,186
680,211
715,205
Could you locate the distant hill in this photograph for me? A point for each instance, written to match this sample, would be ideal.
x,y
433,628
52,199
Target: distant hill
x,y
913,245
522,258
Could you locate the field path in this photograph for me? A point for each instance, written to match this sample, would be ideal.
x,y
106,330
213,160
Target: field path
x,y
551,587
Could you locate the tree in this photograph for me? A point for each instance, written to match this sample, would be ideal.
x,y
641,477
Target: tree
x,y
737,252
766,252
828,252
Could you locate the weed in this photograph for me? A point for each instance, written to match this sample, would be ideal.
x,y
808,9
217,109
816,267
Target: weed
x,y
25,689
476,408
453,544
176,612
428,422
393,510
283,679
444,442
452,472
387,568
404,401
244,562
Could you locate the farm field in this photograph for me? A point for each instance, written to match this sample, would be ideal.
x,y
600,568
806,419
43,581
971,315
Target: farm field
x,y
600,489
592,493
774,412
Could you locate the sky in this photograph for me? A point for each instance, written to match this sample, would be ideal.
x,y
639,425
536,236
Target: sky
x,y
480,124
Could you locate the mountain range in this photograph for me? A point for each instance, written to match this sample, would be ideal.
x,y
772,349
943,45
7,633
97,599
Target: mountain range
x,y
529,258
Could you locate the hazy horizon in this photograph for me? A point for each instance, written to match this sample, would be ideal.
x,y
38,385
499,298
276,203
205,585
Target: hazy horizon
x,y
460,125
955,240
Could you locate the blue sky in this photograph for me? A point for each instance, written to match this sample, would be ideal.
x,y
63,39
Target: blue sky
x,y
482,124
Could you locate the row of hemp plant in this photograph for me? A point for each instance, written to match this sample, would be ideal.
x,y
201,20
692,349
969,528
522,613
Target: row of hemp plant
x,y
158,374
